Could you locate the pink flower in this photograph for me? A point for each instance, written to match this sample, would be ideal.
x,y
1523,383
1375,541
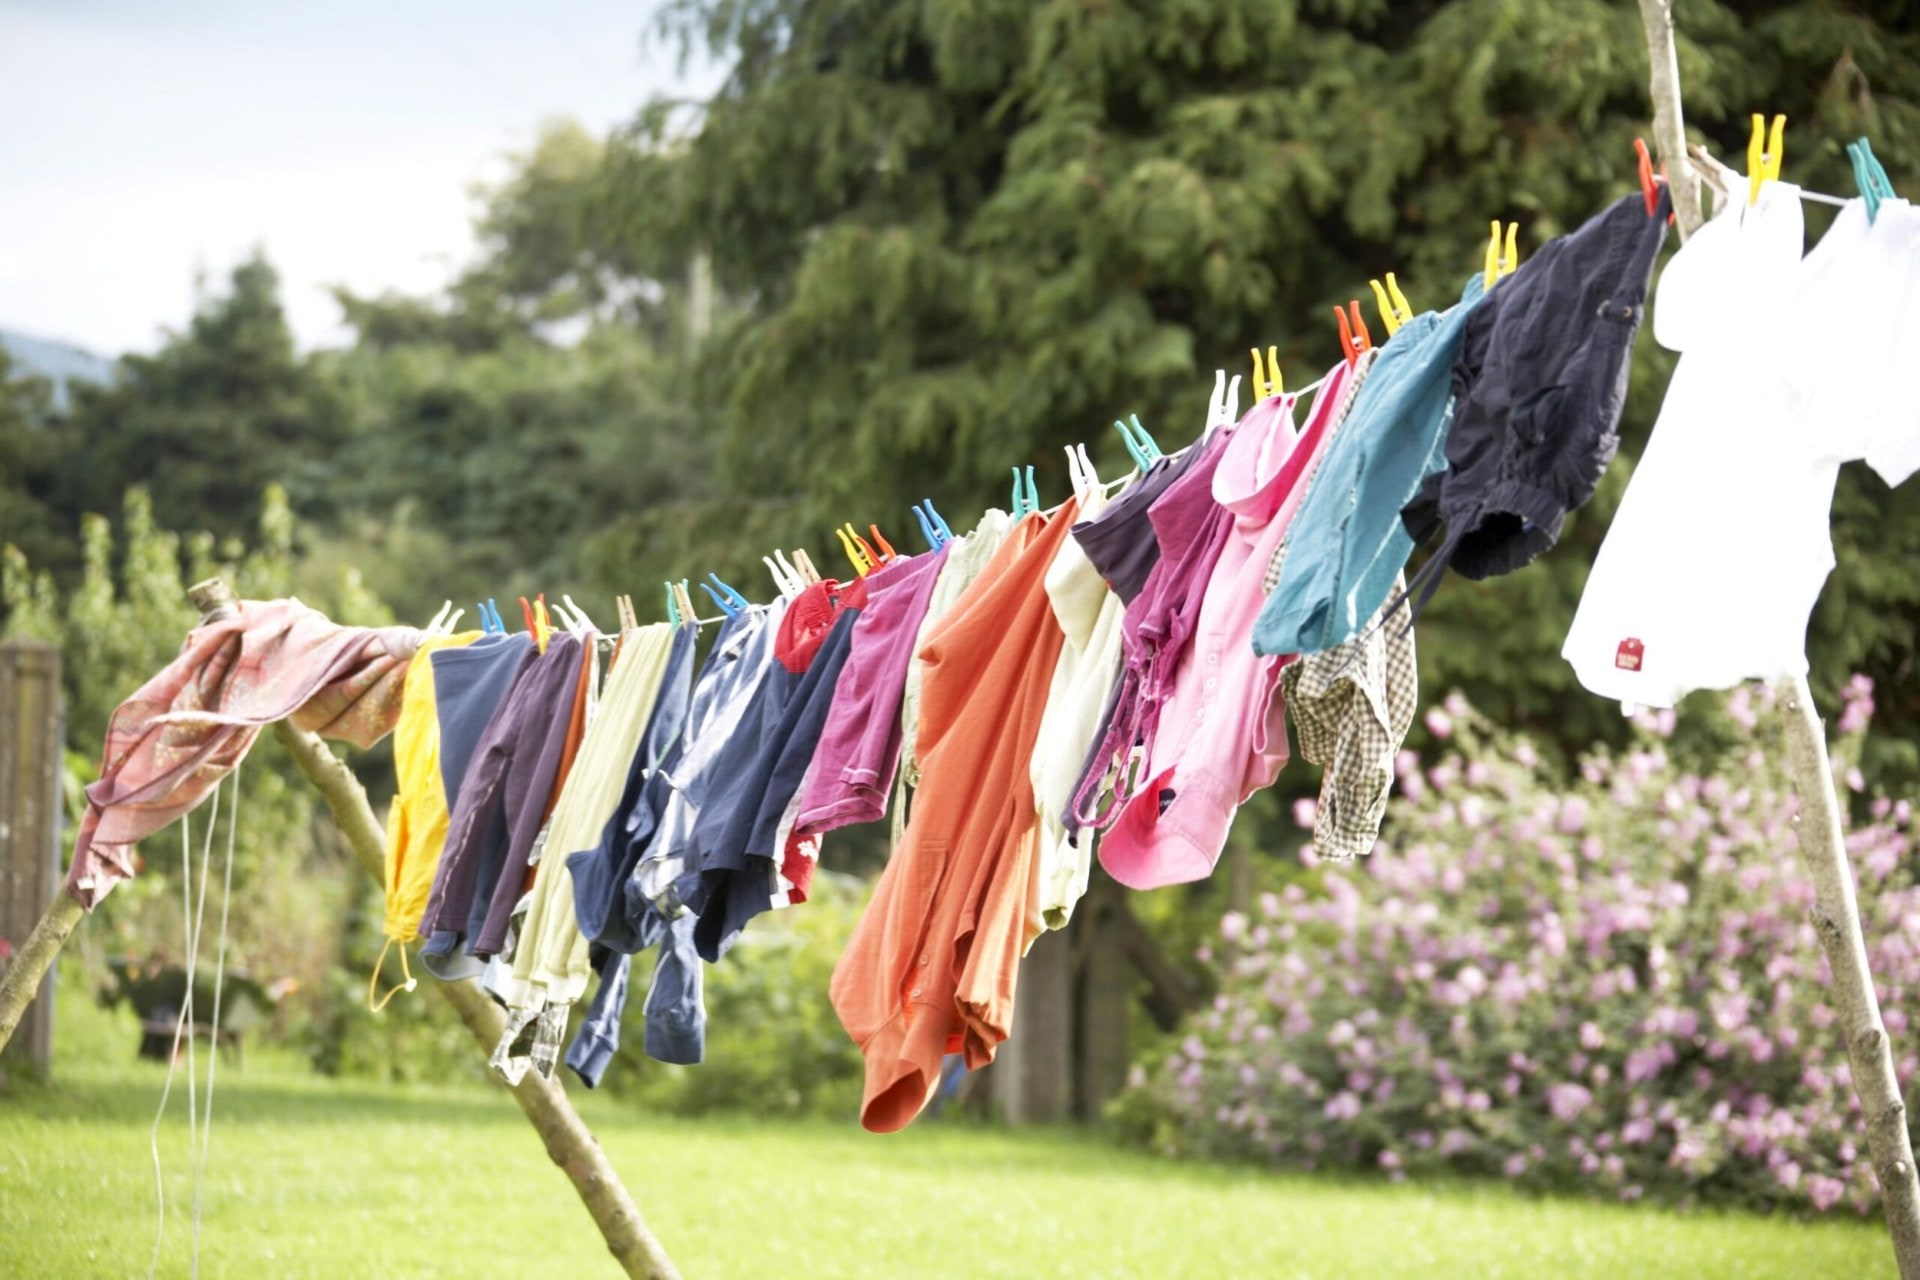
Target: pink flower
x,y
1342,1106
1825,1192
1390,1159
1439,723
1567,1101
1515,1166
1304,811
1591,1036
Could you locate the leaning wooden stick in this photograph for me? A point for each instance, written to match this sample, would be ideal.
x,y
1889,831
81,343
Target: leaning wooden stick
x,y
1836,918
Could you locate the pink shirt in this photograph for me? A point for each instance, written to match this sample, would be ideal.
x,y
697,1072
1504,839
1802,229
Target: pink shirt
x,y
1222,732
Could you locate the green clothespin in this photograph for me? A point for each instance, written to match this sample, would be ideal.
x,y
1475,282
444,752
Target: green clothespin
x,y
1870,176
673,605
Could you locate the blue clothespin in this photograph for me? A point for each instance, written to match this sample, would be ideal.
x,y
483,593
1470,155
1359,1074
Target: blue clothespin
x,y
499,623
927,530
731,602
939,521
486,623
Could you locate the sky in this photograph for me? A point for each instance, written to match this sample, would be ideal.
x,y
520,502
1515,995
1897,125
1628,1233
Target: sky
x,y
144,147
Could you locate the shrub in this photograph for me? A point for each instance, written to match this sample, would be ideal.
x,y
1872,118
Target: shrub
x,y
1611,984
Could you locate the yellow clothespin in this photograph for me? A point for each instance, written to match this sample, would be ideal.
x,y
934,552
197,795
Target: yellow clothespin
x,y
542,624
848,542
1764,154
1394,308
1501,261
1266,381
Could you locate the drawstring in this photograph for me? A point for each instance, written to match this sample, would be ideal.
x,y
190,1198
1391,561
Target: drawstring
x,y
373,979
1426,581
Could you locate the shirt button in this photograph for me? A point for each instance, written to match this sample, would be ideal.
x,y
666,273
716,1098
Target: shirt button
x,y
923,961
1213,659
915,993
1211,682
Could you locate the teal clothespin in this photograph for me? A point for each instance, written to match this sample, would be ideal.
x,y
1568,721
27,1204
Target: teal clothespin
x,y
1030,501
1869,175
1140,459
673,605
1147,445
1017,507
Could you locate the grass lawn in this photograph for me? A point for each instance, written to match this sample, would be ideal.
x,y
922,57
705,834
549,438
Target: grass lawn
x,y
310,1177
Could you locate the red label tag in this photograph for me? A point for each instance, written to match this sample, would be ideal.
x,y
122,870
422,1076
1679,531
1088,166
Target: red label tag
x,y
1627,657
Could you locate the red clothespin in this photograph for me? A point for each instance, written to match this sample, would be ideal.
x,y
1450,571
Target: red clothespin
x,y
1647,187
526,612
1354,338
879,540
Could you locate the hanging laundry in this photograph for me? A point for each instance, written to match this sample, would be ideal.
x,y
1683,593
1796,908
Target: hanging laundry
x,y
1538,390
1725,595
1351,707
1220,734
550,963
1088,615
469,684
745,850
858,754
1347,543
1191,530
967,556
501,807
932,965
185,729
417,819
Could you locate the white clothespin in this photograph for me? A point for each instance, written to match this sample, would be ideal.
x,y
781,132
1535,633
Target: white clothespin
x,y
1223,407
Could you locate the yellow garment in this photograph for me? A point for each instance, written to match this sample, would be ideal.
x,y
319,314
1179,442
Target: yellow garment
x,y
417,822
550,964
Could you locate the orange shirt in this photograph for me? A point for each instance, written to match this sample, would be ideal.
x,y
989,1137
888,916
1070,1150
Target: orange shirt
x,y
931,966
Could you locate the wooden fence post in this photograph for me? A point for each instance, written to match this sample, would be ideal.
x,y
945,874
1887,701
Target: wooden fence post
x,y
31,734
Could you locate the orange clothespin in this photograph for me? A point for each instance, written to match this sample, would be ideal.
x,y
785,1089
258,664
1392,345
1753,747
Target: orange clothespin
x,y
1649,186
1354,338
1266,381
526,613
1764,154
886,548
1394,307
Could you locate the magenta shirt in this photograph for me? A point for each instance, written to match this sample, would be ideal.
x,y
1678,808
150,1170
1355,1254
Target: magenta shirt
x,y
859,749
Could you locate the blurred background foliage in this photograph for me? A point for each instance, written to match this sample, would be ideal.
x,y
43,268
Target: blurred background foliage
x,y
907,246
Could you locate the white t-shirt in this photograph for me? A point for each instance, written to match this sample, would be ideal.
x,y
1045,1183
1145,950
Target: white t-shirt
x,y
1721,543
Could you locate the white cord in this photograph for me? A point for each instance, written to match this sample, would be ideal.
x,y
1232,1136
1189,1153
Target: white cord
x,y
184,1022
219,984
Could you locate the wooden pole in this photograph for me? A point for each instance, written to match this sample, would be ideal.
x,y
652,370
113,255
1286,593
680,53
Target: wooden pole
x,y
31,738
1836,918
1836,910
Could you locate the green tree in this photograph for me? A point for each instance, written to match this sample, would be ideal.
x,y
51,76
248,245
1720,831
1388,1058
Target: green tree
x,y
967,234
205,424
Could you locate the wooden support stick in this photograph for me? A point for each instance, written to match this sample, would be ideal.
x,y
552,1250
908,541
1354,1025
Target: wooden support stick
x,y
35,957
1836,918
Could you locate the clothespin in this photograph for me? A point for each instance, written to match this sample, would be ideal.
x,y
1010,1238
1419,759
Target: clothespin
x,y
785,581
496,622
1501,259
526,615
1223,406
1147,444
1134,451
927,531
673,604
867,552
804,563
1394,308
730,601
849,544
1266,382
1032,499
628,619
433,627
579,614
1869,176
687,612
1354,338
939,521
542,624
880,540
1764,154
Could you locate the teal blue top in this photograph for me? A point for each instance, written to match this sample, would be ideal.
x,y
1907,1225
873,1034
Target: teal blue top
x,y
1346,544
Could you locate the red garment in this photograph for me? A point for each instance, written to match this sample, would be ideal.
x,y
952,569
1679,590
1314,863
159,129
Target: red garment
x,y
173,741
812,613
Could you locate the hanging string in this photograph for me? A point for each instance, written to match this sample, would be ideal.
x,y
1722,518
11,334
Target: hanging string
x,y
219,985
190,921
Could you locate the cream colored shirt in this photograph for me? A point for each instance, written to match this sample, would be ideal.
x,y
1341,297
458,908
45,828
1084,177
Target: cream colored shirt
x,y
1089,614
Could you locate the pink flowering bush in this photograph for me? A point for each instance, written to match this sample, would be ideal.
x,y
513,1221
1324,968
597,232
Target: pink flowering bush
x,y
1611,985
